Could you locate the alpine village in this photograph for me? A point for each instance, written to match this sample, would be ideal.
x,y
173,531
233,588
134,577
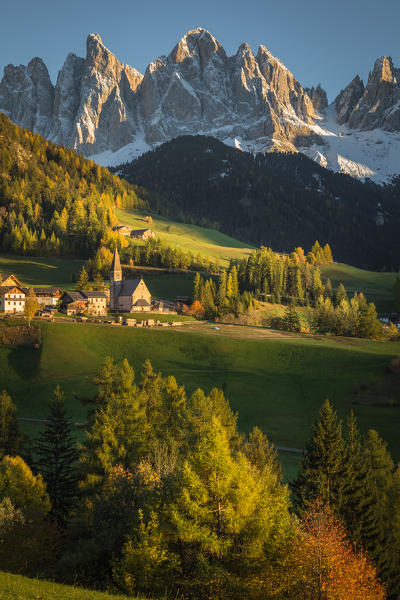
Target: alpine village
x,y
199,320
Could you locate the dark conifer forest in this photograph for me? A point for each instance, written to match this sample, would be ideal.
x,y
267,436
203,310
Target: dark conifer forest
x,y
276,200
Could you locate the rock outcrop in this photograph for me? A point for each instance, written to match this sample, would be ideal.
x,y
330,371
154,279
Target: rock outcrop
x,y
318,97
376,106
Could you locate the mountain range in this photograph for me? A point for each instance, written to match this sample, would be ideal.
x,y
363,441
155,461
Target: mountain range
x,y
112,113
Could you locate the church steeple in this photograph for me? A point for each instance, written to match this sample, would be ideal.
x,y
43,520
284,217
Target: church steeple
x,y
116,271
115,280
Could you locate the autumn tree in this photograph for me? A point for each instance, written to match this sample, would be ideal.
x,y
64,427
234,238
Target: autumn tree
x,y
323,564
31,305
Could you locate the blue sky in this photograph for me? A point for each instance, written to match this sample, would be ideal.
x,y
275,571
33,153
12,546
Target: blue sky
x,y
320,41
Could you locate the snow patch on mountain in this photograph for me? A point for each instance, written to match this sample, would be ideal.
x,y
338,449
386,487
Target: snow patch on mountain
x,y
371,154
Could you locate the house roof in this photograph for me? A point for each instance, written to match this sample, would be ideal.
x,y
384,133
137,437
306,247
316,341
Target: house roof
x,y
75,296
46,291
4,289
5,276
139,231
94,294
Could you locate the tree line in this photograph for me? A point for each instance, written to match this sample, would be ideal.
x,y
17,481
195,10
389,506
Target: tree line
x,y
165,497
52,200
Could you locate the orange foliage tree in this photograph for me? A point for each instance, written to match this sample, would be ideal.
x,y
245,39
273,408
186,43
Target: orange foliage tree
x,y
323,564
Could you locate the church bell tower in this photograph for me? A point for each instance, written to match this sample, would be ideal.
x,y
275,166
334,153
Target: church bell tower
x,y
115,280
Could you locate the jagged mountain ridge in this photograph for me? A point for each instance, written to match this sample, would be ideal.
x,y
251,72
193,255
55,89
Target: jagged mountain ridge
x,y
112,113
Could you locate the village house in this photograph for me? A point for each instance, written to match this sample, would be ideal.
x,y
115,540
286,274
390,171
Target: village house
x,y
128,295
142,234
92,303
12,299
12,295
49,296
122,229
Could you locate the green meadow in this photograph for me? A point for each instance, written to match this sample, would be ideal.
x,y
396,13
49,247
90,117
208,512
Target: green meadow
x,y
37,272
377,287
275,383
16,587
210,243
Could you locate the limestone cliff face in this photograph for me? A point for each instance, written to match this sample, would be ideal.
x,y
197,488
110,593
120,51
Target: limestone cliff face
x,y
100,104
27,96
376,106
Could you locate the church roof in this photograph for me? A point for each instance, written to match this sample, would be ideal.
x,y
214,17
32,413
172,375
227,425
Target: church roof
x,y
116,263
129,286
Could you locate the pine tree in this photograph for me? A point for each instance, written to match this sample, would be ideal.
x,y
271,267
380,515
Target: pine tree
x,y
196,287
384,547
321,471
11,436
83,281
98,282
291,319
358,511
396,291
57,455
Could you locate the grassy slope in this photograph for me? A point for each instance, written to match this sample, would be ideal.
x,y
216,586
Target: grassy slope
x,y
210,243
377,287
41,271
16,587
277,384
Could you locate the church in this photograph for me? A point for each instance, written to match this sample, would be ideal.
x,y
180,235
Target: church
x,y
127,295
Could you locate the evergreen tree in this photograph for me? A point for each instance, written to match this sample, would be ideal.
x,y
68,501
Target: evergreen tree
x,y
11,436
57,455
384,547
321,471
83,281
358,511
340,294
196,287
98,282
396,291
291,319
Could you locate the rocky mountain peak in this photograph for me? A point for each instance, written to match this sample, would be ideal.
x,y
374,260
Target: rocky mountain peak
x,y
318,97
348,98
383,70
378,105
196,43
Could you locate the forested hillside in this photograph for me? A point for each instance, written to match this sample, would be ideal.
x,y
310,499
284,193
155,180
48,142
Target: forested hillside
x,y
52,200
277,200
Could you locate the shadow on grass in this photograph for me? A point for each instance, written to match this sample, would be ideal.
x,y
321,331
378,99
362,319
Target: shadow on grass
x,y
25,361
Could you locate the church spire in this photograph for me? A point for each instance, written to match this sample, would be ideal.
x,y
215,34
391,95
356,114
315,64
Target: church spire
x,y
116,270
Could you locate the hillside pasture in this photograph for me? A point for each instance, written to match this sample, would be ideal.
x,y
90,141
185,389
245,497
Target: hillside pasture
x,y
277,383
41,272
376,287
17,587
210,243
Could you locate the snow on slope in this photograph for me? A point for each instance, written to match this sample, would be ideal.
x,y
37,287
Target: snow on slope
x,y
374,154
361,154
